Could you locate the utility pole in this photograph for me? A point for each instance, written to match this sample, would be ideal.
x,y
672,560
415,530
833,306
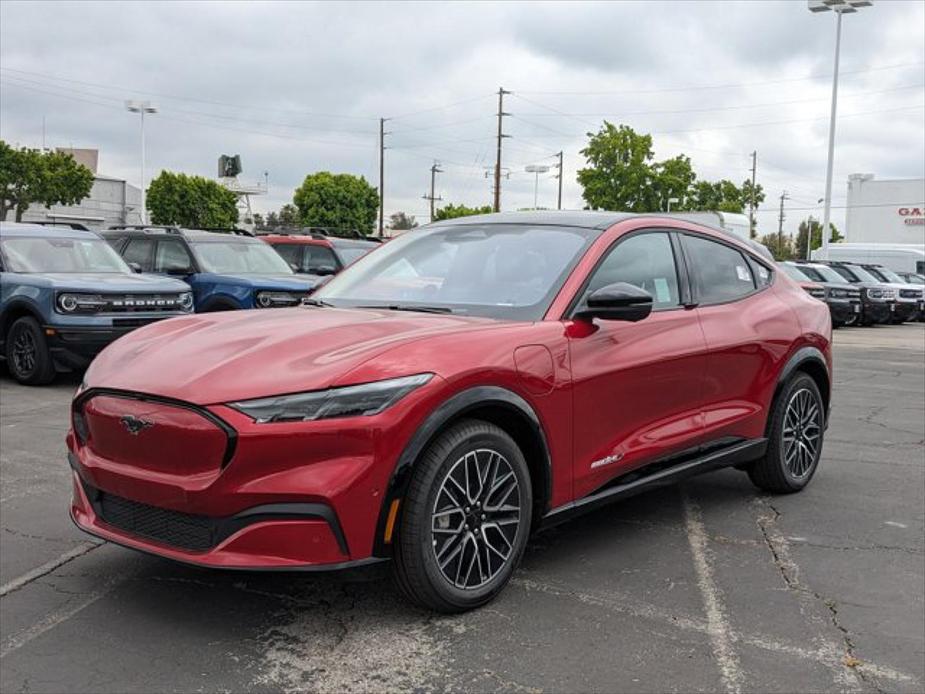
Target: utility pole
x,y
751,217
780,226
434,170
382,134
501,114
559,206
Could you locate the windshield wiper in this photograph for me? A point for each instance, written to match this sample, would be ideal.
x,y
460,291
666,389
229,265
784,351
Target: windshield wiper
x,y
321,303
412,307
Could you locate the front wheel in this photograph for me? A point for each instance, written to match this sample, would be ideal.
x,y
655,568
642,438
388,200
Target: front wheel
x,y
27,353
465,519
795,437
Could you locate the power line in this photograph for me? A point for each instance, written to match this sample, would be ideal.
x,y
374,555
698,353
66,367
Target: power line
x,y
721,86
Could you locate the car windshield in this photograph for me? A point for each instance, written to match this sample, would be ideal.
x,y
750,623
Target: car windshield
x,y
44,254
508,271
863,275
824,272
350,254
796,273
914,279
889,275
239,258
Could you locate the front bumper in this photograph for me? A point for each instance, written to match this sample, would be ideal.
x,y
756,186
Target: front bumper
x,y
208,486
878,311
907,310
74,346
844,310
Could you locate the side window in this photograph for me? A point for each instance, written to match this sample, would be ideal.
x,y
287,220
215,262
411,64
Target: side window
x,y
140,251
291,253
171,256
320,257
761,272
721,273
646,261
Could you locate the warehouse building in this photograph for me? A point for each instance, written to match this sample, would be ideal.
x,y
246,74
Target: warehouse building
x,y
885,211
111,200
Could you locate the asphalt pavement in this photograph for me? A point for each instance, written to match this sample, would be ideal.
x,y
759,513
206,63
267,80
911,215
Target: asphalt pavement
x,y
710,586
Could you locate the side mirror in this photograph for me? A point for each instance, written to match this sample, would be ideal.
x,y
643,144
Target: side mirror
x,y
180,270
620,301
294,267
135,267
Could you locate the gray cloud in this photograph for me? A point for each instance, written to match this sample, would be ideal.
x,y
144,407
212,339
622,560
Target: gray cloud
x,y
296,88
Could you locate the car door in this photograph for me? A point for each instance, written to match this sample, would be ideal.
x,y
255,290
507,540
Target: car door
x,y
748,330
636,386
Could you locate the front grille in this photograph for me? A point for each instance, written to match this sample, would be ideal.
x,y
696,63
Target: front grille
x,y
170,527
133,322
910,293
136,303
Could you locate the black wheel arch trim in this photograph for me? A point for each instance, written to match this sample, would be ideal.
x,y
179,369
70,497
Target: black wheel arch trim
x,y
455,407
804,355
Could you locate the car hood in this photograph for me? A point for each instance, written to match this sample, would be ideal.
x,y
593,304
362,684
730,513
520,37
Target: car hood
x,y
298,283
111,282
220,357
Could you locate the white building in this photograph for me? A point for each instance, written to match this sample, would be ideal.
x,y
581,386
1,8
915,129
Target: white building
x,y
111,200
885,211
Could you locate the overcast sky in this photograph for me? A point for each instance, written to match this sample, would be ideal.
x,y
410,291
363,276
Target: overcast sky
x,y
296,88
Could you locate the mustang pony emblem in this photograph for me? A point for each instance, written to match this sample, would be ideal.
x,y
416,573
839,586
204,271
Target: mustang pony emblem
x,y
134,425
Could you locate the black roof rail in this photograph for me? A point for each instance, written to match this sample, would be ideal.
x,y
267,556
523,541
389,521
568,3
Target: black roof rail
x,y
76,226
169,228
236,231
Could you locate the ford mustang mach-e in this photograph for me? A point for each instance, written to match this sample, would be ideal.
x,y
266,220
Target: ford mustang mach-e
x,y
446,395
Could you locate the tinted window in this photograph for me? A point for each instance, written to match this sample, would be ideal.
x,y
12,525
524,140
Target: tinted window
x,y
139,251
721,273
645,261
761,272
291,253
171,255
320,257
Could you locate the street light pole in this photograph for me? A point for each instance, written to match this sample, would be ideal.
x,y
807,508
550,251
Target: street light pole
x,y
840,7
142,107
536,169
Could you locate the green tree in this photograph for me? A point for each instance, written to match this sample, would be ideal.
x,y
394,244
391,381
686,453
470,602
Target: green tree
x,y
452,211
259,221
401,221
288,217
338,201
622,175
190,201
813,226
31,176
781,247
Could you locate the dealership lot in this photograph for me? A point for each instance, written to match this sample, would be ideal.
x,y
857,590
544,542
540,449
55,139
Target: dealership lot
x,y
705,587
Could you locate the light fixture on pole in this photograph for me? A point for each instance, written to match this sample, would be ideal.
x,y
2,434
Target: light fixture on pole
x,y
672,200
142,107
536,169
840,7
809,229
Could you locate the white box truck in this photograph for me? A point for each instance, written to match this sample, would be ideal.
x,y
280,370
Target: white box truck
x,y
898,257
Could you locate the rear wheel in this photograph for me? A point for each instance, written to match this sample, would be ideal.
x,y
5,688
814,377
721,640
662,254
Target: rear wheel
x,y
27,353
465,519
795,438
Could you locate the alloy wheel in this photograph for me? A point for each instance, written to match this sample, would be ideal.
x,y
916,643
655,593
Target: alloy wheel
x,y
475,519
802,432
24,352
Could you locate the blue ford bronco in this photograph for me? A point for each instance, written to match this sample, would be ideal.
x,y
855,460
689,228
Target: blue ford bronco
x,y
227,270
65,295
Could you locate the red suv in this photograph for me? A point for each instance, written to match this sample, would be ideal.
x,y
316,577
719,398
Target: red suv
x,y
314,253
443,397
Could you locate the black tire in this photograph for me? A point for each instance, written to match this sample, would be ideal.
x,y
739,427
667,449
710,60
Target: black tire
x,y
416,568
788,467
27,354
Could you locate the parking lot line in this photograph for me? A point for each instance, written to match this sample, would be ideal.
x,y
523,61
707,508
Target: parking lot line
x,y
718,627
48,567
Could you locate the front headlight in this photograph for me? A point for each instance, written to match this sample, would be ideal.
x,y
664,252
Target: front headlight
x,y
277,299
79,303
351,401
186,301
